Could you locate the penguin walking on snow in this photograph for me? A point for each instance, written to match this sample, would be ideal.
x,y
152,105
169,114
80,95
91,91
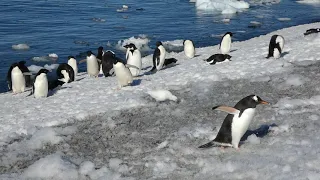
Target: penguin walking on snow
x,y
73,63
123,73
41,86
276,46
159,55
134,62
107,63
92,65
218,58
225,44
189,49
65,73
236,123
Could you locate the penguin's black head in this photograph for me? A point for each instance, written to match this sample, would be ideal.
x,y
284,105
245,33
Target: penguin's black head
x,y
251,101
230,33
227,56
127,46
110,54
22,62
14,65
100,49
43,71
133,46
158,43
69,57
89,53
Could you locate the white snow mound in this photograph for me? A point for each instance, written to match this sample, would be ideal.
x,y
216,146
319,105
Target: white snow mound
x,y
162,95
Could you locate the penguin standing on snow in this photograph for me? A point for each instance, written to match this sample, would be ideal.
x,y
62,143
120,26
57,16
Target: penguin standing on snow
x,y
225,44
236,123
276,46
24,69
134,62
99,59
107,63
123,73
189,49
92,64
41,86
17,80
159,55
65,73
73,63
218,58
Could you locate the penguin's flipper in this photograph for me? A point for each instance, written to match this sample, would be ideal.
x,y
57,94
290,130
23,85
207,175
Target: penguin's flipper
x,y
227,109
131,66
209,144
32,91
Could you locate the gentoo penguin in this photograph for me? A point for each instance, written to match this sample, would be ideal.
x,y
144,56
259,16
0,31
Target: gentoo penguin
x,y
225,44
41,86
24,69
236,123
134,62
17,79
189,49
158,57
311,31
65,73
123,73
92,65
275,46
107,63
73,63
216,58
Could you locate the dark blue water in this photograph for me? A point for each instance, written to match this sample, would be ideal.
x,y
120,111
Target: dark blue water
x,y
70,27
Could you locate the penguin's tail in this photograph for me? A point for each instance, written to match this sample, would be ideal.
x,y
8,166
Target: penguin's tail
x,y
209,144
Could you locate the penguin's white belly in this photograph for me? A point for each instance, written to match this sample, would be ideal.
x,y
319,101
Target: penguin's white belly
x,y
74,66
135,60
18,82
276,53
189,50
280,40
41,87
92,67
240,125
225,45
162,57
123,74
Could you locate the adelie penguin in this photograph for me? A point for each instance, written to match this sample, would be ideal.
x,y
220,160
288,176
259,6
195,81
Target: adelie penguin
x,y
73,63
92,65
189,49
107,63
225,44
16,77
25,71
159,56
65,73
276,46
218,58
123,73
134,62
99,59
236,123
311,31
41,86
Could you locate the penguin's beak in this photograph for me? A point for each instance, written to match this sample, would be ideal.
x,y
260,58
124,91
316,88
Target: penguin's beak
x,y
263,102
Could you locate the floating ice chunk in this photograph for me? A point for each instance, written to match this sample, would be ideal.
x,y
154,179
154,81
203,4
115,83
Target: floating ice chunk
x,y
51,167
162,95
254,24
141,42
34,68
53,55
86,167
253,139
225,20
173,46
309,1
284,19
125,6
51,66
21,47
224,6
42,137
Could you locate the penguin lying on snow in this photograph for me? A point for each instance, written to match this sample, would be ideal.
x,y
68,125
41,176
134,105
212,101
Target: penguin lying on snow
x,y
225,44
236,123
276,46
25,71
218,58
41,85
312,31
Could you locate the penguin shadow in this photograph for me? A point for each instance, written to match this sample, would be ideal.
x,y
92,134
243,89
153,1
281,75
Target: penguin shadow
x,y
262,131
284,53
197,55
54,91
145,68
233,50
170,66
80,79
136,82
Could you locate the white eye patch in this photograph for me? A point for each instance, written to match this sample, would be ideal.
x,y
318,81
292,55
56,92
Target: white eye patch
x,y
255,98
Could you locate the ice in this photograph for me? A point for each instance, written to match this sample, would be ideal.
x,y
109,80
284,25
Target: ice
x,y
284,19
86,167
53,55
309,1
51,167
141,42
162,95
225,7
295,80
114,163
253,139
21,47
42,137
173,46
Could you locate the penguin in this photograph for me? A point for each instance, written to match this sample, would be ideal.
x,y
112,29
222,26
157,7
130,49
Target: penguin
x,y
65,73
169,61
225,44
134,62
158,57
73,63
18,81
99,59
41,86
276,46
217,58
107,63
123,73
92,65
312,31
189,49
24,69
236,123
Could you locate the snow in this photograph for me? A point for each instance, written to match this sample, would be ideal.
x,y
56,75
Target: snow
x,y
21,47
89,129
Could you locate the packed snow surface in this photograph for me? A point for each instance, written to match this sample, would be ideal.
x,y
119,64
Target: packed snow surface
x,y
90,129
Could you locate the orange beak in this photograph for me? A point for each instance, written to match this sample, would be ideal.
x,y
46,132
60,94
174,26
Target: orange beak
x,y
264,102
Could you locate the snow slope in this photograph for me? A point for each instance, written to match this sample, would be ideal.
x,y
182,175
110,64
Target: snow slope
x,y
164,135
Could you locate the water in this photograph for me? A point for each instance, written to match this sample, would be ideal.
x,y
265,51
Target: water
x,y
70,27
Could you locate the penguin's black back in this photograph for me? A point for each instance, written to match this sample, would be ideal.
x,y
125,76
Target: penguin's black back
x,y
272,45
107,63
68,68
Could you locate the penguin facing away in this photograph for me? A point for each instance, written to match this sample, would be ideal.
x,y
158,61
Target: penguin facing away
x,y
18,81
159,55
225,44
236,123
41,86
107,63
218,58
189,49
92,64
65,73
134,62
24,69
276,46
123,73
99,59
73,63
